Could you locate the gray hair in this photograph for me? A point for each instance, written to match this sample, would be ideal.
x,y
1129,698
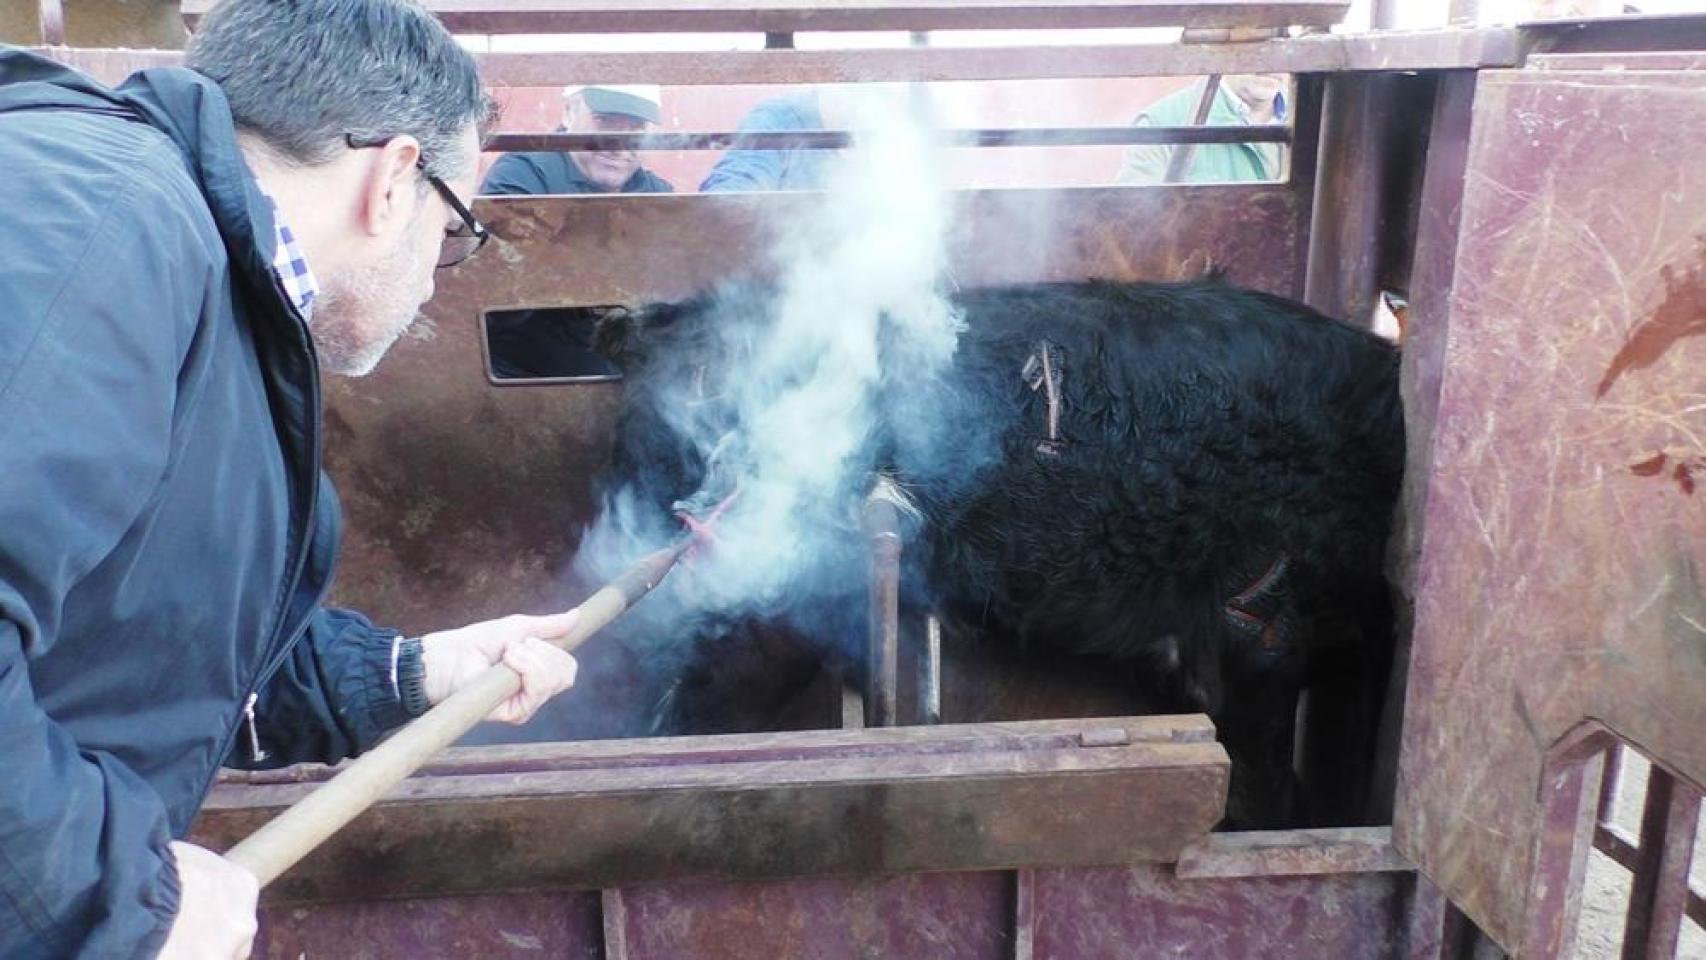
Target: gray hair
x,y
308,77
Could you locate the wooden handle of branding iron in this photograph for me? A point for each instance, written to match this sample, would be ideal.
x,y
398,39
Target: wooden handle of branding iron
x,y
290,836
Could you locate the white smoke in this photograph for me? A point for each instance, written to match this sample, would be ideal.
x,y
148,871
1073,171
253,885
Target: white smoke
x,y
859,299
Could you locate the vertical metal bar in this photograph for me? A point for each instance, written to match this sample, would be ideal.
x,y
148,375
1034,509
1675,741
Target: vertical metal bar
x,y
918,94
1649,850
1658,892
852,707
882,673
1181,158
1608,783
1425,932
52,14
1024,914
615,917
1384,14
930,673
1305,148
1348,240
1432,275
1561,855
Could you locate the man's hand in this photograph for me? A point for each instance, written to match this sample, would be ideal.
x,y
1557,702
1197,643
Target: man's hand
x,y
452,658
216,907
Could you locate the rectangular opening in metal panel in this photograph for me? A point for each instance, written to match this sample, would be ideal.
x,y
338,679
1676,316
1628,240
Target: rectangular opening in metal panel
x,y
546,345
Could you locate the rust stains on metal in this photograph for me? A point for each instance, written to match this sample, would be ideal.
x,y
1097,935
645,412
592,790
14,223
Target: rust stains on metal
x,y
1553,585
1679,467
1681,314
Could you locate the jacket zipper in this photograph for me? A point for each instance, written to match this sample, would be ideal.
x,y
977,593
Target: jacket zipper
x,y
256,754
312,505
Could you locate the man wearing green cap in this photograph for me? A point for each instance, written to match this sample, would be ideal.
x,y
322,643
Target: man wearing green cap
x,y
600,109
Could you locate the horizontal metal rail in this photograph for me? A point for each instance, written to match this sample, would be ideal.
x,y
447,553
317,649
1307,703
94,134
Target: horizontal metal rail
x,y
838,139
1323,53
787,16
52,16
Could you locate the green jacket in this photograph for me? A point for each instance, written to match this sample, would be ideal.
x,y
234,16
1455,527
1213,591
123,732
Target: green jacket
x,y
1210,163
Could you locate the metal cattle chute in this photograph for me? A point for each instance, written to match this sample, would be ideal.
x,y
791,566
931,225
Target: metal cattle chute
x,y
1534,191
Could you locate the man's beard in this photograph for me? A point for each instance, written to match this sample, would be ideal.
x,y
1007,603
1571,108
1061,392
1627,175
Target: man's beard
x,y
362,311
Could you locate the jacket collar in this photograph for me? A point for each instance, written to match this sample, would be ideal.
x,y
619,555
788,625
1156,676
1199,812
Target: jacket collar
x,y
192,112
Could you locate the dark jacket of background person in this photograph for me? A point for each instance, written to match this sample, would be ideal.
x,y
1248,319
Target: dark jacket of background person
x,y
773,169
159,471
552,172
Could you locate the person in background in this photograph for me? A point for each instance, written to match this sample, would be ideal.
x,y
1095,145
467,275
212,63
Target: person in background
x,y
1243,99
844,107
593,109
792,169
186,255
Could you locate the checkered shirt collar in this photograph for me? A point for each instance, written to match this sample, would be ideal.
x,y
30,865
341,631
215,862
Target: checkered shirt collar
x,y
291,267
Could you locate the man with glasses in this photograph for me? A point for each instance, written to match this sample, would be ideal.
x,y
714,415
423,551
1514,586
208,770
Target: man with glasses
x,y
183,255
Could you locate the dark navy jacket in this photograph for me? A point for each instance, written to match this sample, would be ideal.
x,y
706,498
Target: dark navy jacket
x,y
165,531
552,172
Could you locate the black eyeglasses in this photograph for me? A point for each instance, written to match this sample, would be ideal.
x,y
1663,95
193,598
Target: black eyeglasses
x,y
459,244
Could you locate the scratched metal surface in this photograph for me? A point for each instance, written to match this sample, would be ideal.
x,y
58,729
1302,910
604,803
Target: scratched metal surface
x,y
948,916
508,926
1055,914
1563,566
1145,911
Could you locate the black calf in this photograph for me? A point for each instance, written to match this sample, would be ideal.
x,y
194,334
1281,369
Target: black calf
x,y
1190,481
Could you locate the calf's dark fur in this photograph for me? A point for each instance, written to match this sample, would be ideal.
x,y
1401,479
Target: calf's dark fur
x,y
1189,481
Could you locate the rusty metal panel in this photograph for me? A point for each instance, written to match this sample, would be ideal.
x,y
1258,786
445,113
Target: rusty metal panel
x,y
1562,572
511,926
1031,914
1146,911
465,499
952,916
789,16
873,801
